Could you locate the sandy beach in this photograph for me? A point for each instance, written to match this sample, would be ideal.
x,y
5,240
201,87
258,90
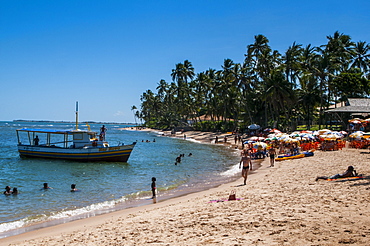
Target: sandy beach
x,y
283,205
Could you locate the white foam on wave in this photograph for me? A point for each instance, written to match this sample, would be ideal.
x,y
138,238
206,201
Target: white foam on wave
x,y
12,225
193,140
92,210
232,171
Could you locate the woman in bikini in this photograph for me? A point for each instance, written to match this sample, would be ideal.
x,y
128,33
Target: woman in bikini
x,y
247,165
350,172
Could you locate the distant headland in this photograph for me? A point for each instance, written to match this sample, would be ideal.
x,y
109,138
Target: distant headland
x,y
82,122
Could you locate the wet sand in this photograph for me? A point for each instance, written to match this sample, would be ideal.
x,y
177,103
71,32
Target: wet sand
x,y
283,205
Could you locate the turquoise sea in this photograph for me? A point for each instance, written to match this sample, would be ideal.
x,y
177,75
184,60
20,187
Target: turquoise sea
x,y
104,187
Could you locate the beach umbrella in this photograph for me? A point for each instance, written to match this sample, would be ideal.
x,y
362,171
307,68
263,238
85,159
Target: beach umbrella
x,y
254,127
338,134
255,138
323,131
357,134
275,130
355,121
259,144
308,136
306,131
331,137
271,139
290,140
283,136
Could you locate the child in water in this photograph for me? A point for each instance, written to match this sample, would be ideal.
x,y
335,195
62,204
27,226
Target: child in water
x,y
153,186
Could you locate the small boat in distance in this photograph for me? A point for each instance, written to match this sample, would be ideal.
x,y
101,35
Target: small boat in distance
x,y
75,145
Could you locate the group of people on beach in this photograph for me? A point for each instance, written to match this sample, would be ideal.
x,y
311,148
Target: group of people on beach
x,y
9,191
246,160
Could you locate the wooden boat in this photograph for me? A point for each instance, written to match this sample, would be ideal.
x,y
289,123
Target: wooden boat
x,y
75,145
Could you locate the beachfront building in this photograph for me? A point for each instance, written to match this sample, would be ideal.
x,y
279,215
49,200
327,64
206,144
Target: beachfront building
x,y
352,108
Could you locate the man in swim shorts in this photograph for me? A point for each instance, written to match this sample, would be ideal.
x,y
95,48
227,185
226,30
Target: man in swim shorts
x,y
272,153
247,165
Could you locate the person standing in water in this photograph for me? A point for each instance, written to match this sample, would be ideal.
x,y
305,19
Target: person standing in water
x,y
153,187
247,165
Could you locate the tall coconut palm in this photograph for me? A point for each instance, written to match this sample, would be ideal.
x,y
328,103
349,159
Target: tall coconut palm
x,y
308,96
181,74
338,48
162,88
133,108
361,56
292,62
278,94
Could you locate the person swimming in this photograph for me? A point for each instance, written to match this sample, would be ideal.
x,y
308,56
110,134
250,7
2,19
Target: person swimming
x,y
8,190
73,188
46,186
15,191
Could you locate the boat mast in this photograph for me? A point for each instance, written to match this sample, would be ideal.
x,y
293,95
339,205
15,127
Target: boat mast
x,y
76,115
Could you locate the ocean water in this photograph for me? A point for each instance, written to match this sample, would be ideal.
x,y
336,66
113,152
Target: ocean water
x,y
105,186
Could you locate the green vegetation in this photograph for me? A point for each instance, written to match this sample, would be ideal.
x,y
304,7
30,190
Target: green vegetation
x,y
269,88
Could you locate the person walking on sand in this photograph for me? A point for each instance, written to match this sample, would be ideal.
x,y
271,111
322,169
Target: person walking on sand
x,y
247,165
272,154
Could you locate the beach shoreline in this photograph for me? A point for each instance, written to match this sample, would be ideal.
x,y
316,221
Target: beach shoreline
x,y
165,195
283,205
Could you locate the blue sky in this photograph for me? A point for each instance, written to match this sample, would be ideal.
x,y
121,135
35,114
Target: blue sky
x,y
105,54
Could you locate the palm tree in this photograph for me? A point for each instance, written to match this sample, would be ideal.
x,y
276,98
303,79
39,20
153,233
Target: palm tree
x,y
361,56
133,108
291,61
181,74
162,88
338,48
278,95
308,96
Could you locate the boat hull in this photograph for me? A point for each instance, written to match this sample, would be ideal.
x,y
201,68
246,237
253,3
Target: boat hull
x,y
111,154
